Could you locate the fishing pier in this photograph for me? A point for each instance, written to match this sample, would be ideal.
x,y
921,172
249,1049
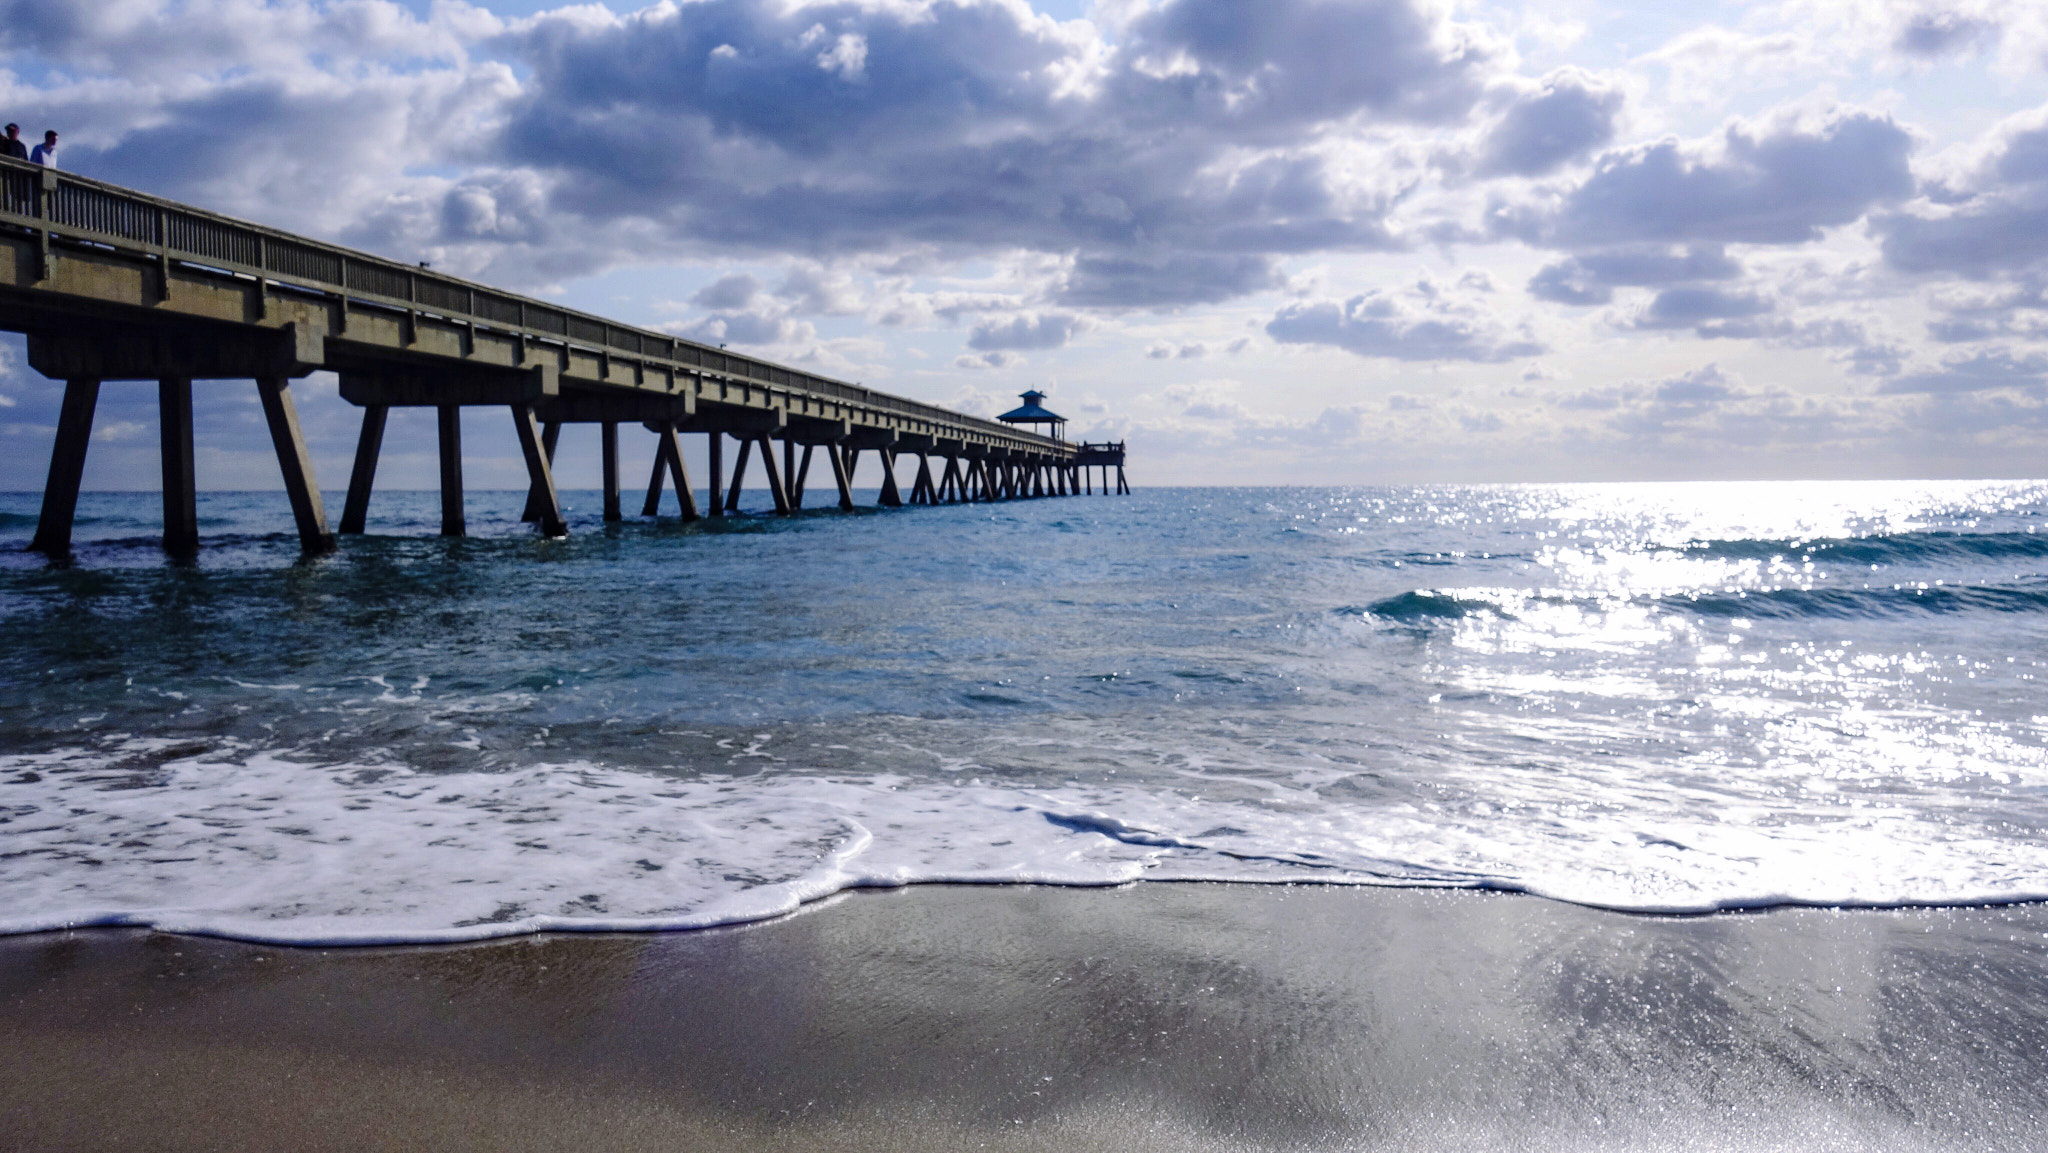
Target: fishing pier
x,y
110,284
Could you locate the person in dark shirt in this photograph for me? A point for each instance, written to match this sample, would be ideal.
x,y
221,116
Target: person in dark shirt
x,y
11,145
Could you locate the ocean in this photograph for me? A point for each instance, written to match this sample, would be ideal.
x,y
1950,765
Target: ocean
x,y
1657,697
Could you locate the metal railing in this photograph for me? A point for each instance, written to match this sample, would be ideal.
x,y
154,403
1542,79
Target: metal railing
x,y
62,205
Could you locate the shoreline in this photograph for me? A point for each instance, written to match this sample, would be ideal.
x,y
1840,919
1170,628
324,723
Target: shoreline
x,y
1194,1015
549,925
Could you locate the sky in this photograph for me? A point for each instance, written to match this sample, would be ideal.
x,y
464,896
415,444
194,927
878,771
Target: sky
x,y
1284,242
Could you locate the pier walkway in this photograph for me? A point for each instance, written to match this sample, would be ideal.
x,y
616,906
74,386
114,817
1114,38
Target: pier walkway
x,y
112,284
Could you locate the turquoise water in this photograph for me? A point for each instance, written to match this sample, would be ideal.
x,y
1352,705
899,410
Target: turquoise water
x,y
1636,696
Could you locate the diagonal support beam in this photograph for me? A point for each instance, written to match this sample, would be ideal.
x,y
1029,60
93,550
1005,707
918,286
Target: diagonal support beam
x,y
776,488
654,479
892,497
921,490
540,474
803,477
363,477
67,468
840,477
550,435
739,475
670,453
296,464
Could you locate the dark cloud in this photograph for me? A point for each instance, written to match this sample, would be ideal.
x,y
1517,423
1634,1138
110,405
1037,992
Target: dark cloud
x,y
1956,331
1417,326
1692,307
1934,34
2001,235
1175,178
1591,277
1031,330
1995,222
734,291
1165,282
1876,360
1779,185
1975,372
1293,62
1568,117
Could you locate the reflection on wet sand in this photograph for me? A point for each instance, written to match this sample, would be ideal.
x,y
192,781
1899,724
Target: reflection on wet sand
x,y
1160,1016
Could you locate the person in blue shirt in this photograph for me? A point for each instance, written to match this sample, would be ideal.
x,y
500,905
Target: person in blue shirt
x,y
45,153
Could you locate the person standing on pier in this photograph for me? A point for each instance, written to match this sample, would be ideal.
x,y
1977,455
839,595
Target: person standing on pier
x,y
45,153
11,145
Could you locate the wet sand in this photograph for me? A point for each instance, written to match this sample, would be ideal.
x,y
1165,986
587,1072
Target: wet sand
x,y
1164,1016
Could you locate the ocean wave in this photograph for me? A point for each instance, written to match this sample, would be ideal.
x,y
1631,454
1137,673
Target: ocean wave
x,y
1822,603
1425,605
1434,606
1908,548
273,851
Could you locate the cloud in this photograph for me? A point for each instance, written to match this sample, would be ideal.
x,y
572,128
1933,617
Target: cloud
x,y
1692,307
1028,331
1570,115
1995,219
1165,282
1172,164
1591,277
1934,34
1422,324
1286,62
1775,184
987,360
1976,372
734,291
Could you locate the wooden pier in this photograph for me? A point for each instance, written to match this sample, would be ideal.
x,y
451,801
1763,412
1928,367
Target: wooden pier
x,y
110,284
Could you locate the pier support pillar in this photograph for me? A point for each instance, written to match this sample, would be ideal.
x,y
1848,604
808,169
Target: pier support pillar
x,y
716,450
356,510
539,471
892,497
841,477
450,420
609,440
181,497
308,513
67,468
550,435
789,482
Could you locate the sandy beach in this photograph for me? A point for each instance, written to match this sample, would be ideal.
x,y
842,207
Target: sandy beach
x,y
1165,1016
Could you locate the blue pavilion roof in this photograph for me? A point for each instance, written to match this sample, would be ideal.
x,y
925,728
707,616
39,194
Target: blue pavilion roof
x,y
1032,412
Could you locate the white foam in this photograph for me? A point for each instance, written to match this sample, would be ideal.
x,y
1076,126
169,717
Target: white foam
x,y
270,850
